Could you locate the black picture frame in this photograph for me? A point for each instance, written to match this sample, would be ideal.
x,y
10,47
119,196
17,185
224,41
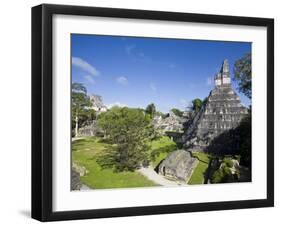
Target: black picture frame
x,y
42,111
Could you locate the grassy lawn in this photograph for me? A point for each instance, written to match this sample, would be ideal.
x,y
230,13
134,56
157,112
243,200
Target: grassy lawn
x,y
84,153
161,147
198,174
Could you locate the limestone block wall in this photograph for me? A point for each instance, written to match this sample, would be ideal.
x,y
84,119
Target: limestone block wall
x,y
222,111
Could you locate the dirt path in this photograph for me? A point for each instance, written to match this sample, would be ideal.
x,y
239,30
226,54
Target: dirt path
x,y
76,138
158,179
85,188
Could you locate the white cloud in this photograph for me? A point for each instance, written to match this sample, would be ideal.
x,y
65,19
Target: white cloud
x,y
153,87
85,66
89,79
137,54
118,104
129,49
209,81
122,80
184,102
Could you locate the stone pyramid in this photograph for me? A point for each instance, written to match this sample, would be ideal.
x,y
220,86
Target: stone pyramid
x,y
222,111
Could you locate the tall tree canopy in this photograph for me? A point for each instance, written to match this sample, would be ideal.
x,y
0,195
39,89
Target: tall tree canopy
x,y
151,110
205,101
243,74
177,112
196,104
128,130
80,104
244,131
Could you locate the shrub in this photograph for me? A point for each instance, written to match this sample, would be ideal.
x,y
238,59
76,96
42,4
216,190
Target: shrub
x,y
177,112
228,162
237,157
217,176
221,175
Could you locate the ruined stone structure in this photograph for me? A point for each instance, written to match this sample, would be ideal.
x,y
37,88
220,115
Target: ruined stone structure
x,y
222,111
98,105
178,165
171,123
91,128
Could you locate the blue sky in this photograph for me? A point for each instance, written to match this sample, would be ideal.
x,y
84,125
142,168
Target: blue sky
x,y
135,72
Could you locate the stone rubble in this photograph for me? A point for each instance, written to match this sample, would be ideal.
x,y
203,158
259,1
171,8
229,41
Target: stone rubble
x,y
170,123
